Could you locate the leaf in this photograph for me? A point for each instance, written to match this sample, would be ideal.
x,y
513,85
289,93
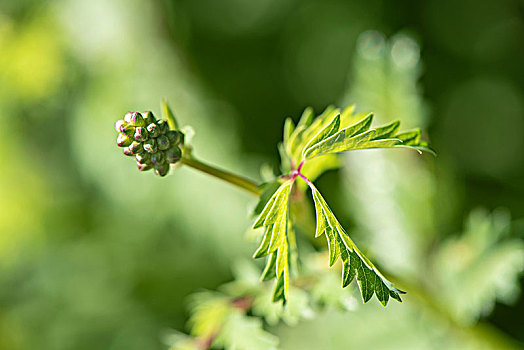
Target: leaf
x,y
306,129
480,267
268,189
209,310
289,127
326,132
315,167
275,241
168,114
354,263
241,332
360,136
295,138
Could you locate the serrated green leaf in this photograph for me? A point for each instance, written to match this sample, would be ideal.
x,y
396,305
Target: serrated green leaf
x,y
274,218
313,138
388,130
318,124
268,190
282,259
294,142
270,209
269,271
360,136
264,244
305,130
410,137
323,134
369,279
279,293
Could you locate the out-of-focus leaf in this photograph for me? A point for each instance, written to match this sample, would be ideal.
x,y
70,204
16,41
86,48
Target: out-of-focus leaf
x,y
209,311
481,266
241,332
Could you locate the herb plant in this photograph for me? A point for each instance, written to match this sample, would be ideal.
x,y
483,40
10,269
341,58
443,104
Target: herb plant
x,y
305,149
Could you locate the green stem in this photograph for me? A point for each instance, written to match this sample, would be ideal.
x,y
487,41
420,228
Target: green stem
x,y
233,179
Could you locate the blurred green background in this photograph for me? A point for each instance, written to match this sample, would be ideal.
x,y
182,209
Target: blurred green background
x,y
94,255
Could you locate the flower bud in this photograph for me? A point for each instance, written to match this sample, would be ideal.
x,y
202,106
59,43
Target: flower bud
x,y
127,116
136,147
128,130
162,126
128,152
141,134
158,158
149,117
123,141
135,119
150,146
143,167
175,137
143,158
162,143
119,124
161,169
173,154
153,130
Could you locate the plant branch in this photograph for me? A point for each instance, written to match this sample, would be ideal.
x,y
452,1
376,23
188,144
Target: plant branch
x,y
233,179
481,330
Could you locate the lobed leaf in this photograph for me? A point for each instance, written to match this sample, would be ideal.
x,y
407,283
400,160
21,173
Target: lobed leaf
x,y
275,242
360,136
326,132
354,263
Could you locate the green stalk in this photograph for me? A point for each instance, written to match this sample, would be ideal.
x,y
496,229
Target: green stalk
x,y
233,179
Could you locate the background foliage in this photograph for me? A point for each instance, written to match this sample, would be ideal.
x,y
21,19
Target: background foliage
x,y
95,255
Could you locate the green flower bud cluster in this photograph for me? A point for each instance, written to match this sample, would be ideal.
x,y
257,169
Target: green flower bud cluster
x,y
150,141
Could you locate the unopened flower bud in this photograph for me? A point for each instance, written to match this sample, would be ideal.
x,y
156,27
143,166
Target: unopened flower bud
x,y
162,143
123,141
143,158
128,130
161,169
140,134
173,154
158,158
162,126
175,137
128,152
136,147
119,124
153,130
150,146
144,167
149,117
127,116
135,119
